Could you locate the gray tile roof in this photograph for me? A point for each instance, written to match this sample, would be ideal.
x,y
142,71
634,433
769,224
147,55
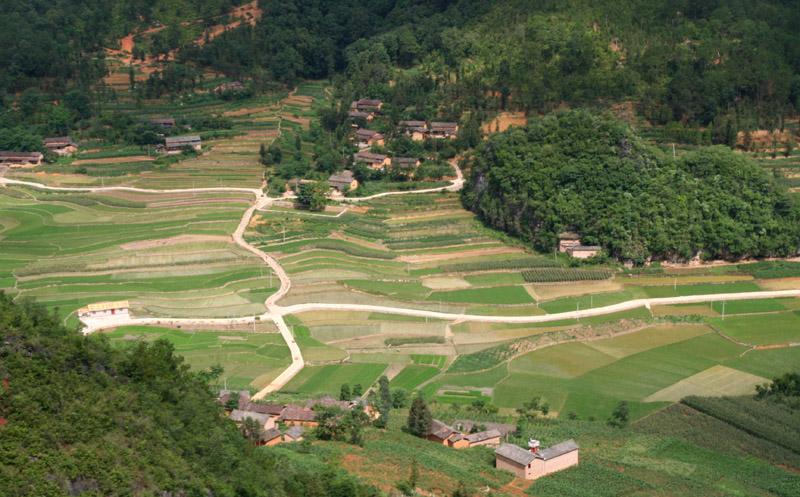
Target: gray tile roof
x,y
557,450
239,415
271,434
482,436
173,140
517,454
344,177
295,431
273,409
441,430
297,413
466,425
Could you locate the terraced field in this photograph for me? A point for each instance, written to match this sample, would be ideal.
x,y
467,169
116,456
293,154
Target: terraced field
x,y
170,255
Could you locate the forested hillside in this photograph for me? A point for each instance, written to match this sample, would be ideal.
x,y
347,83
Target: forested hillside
x,y
81,418
577,170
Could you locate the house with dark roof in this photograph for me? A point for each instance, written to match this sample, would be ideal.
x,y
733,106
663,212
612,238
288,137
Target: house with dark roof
x,y
366,105
415,129
344,181
298,415
443,130
265,421
175,144
535,463
446,435
62,145
405,162
294,434
244,397
272,410
374,161
166,123
367,138
21,159
353,115
270,437
488,437
466,426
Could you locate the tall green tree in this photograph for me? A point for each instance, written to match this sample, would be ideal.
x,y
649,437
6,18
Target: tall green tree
x,y
419,417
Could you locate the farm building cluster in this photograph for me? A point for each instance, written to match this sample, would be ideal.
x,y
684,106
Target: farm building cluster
x,y
570,242
294,418
444,434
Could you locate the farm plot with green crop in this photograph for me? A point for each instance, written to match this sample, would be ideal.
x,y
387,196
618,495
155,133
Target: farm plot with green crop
x,y
412,376
762,329
329,379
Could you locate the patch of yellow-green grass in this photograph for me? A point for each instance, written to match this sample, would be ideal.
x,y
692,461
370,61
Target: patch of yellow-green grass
x,y
649,338
716,381
781,284
444,283
550,292
682,280
790,303
683,310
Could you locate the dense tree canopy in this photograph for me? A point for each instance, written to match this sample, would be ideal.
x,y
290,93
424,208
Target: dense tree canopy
x,y
578,170
79,417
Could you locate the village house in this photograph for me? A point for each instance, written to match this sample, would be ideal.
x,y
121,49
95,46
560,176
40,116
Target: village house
x,y
294,415
244,398
232,86
567,240
466,426
415,129
446,435
373,161
265,421
22,159
584,251
366,104
344,181
405,162
535,463
62,145
355,114
443,130
175,144
103,309
294,434
488,437
166,123
272,410
270,437
367,138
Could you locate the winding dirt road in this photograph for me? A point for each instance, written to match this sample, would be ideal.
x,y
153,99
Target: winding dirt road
x,y
276,313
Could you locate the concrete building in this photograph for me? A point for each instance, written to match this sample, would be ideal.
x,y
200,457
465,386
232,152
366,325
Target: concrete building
x,y
103,309
535,463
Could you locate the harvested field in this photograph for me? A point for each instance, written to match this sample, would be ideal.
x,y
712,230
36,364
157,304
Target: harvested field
x,y
550,292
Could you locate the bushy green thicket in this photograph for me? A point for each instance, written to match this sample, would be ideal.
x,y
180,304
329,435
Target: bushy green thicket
x,y
83,418
771,269
593,174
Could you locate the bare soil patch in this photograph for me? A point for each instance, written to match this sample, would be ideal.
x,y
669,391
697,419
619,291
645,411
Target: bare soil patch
x,y
115,160
504,120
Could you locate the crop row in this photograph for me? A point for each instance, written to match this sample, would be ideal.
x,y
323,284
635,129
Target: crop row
x,y
524,263
552,275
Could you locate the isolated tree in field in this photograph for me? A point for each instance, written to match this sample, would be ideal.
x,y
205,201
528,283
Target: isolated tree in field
x,y
384,394
399,398
620,414
312,195
344,393
419,417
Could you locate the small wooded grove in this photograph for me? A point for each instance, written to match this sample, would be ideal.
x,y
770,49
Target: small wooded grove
x,y
576,170
82,418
